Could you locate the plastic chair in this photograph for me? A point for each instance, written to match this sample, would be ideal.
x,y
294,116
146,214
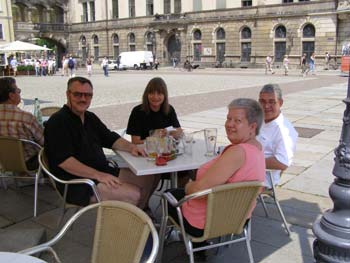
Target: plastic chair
x,y
48,111
121,233
44,167
228,208
12,160
272,193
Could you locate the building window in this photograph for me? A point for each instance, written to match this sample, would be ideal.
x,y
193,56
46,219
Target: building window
x,y
220,4
220,34
131,8
280,32
304,0
83,40
247,2
197,5
95,39
287,1
309,31
167,7
149,7
280,50
246,50
1,32
96,47
197,51
85,17
132,44
150,38
92,11
246,33
197,35
177,6
115,46
115,9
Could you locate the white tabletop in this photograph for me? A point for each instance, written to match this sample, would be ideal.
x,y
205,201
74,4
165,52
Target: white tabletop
x,y
10,257
142,166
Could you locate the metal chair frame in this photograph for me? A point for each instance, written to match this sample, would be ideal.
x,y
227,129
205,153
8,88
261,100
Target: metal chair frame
x,y
272,193
20,165
48,111
43,167
122,207
242,226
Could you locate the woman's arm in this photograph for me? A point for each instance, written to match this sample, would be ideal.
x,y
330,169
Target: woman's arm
x,y
227,164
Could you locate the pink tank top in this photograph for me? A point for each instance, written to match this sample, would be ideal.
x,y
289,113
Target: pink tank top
x,y
252,170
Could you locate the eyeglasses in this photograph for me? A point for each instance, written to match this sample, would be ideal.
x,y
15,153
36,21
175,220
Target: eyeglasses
x,y
270,102
17,90
79,95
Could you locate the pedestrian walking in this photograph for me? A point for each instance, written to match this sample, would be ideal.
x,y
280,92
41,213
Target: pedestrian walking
x,y
312,63
327,59
285,65
71,66
303,65
37,67
89,66
268,65
104,66
156,64
14,65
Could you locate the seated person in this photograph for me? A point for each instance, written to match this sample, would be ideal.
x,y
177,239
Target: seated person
x,y
277,134
242,160
74,138
17,123
155,113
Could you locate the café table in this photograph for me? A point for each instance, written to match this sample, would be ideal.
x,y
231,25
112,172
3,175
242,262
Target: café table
x,y
11,257
140,166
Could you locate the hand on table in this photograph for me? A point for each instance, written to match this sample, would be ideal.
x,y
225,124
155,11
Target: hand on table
x,y
136,151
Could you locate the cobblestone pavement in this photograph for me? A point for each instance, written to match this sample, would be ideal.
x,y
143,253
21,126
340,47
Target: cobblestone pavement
x,y
203,89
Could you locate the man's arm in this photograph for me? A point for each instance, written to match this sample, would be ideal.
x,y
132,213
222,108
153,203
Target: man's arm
x,y
73,166
273,164
124,145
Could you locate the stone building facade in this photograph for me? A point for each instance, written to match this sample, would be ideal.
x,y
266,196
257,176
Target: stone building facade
x,y
238,33
6,23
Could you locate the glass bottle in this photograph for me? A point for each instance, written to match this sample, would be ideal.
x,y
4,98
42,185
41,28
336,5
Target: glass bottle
x,y
37,111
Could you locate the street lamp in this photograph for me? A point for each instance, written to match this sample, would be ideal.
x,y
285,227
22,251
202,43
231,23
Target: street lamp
x,y
332,230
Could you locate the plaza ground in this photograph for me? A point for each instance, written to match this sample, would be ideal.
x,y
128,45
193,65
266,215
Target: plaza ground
x,y
314,105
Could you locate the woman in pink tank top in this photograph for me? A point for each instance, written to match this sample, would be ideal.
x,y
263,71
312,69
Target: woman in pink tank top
x,y
242,160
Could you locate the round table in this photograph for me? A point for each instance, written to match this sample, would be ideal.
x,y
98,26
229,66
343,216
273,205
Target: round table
x,y
11,257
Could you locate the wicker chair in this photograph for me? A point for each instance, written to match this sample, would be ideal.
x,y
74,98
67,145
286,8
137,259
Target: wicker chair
x,y
271,192
228,207
121,233
44,167
48,111
12,160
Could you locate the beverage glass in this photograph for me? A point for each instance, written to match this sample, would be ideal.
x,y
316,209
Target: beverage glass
x,y
210,135
188,139
151,148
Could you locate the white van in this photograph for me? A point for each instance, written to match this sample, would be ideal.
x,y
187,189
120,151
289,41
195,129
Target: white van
x,y
136,59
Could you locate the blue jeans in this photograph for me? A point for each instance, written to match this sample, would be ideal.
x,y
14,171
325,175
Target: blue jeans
x,y
105,71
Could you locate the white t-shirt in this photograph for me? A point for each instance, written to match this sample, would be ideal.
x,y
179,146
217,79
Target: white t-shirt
x,y
278,139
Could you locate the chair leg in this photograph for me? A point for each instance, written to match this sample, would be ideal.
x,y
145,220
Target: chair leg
x,y
247,240
189,249
282,215
36,185
261,198
162,230
3,184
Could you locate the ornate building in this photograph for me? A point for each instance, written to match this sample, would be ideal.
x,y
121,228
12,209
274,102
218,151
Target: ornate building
x,y
6,23
232,33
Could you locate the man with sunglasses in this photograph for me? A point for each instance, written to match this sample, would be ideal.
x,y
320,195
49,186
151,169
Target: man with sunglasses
x,y
277,134
74,142
17,123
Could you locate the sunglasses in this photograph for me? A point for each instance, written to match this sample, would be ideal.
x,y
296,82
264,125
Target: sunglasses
x,y
79,95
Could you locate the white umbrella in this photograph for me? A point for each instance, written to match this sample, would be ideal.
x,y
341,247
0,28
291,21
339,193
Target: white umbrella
x,y
18,46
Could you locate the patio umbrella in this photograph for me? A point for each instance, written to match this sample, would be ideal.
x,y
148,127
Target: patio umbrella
x,y
18,46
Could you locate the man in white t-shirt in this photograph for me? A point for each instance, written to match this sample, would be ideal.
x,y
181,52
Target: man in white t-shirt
x,y
277,134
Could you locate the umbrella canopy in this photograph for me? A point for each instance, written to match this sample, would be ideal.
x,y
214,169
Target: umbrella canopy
x,y
18,46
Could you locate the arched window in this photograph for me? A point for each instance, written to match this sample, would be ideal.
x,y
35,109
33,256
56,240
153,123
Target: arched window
x,y
220,34
115,39
280,32
150,41
220,45
309,31
246,44
246,33
197,35
83,40
132,44
95,39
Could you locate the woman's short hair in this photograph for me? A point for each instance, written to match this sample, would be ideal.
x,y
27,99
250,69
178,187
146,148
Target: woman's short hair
x,y
6,87
156,85
253,110
272,88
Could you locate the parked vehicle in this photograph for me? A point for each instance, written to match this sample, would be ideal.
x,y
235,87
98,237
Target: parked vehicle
x,y
28,62
113,65
136,59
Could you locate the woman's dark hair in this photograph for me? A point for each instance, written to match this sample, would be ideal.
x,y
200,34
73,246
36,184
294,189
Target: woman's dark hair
x,y
156,85
6,87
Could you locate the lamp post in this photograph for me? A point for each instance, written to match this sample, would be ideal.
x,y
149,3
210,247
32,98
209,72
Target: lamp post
x,y
332,230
